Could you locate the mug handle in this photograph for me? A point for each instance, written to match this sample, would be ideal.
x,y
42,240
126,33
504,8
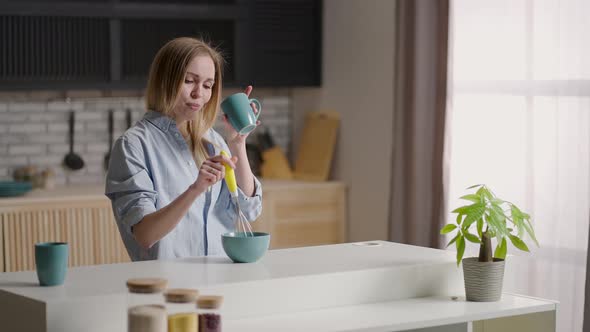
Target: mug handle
x,y
258,106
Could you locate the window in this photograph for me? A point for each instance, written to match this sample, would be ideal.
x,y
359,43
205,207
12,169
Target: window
x,y
519,121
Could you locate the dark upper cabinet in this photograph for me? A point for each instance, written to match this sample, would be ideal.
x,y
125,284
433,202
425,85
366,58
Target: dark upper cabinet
x,y
137,51
110,44
42,50
287,42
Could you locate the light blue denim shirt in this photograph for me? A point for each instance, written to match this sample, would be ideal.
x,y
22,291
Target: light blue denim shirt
x,y
150,166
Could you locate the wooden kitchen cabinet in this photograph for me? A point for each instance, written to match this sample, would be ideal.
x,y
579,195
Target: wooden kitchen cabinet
x,y
300,214
295,213
77,216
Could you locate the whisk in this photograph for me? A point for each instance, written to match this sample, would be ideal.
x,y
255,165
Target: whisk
x,y
242,225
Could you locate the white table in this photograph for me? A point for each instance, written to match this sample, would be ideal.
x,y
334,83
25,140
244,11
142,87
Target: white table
x,y
346,287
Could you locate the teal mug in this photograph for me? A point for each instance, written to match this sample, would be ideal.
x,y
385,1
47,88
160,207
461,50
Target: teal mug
x,y
51,261
239,112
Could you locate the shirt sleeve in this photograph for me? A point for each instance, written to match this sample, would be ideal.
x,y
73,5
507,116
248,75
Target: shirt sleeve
x,y
129,185
251,206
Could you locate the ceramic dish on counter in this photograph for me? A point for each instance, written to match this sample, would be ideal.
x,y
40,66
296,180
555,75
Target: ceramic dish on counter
x,y
14,188
245,248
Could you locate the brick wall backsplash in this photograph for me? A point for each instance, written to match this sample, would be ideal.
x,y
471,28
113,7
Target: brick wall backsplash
x,y
36,133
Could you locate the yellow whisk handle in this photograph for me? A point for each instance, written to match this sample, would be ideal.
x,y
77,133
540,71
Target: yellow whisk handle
x,y
230,177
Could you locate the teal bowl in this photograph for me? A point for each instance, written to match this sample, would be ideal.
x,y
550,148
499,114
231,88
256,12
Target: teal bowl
x,y
245,249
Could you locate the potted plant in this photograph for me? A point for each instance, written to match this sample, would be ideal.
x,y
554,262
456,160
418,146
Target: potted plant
x,y
491,217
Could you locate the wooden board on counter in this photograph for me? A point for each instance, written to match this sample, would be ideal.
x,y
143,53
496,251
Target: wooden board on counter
x,y
316,149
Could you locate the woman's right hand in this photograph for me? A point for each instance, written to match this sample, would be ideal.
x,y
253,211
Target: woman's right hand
x,y
212,171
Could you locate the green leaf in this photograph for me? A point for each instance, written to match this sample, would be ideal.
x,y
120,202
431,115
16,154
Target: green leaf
x,y
516,211
518,220
476,207
454,239
494,225
460,249
471,238
480,227
501,249
529,229
520,213
448,228
498,221
483,191
475,212
498,210
497,201
475,186
518,243
462,209
472,197
459,216
519,225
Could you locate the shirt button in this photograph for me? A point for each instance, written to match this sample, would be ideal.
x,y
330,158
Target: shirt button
x,y
190,163
176,134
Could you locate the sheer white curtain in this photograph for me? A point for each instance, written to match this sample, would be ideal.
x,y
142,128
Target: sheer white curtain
x,y
519,121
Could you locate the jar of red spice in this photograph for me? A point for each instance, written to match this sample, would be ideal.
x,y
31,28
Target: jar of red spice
x,y
209,315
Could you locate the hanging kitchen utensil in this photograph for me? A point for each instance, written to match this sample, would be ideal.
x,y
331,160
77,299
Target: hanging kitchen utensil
x,y
107,157
128,117
265,140
254,157
72,160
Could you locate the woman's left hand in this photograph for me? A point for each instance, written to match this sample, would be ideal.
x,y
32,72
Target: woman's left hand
x,y
233,137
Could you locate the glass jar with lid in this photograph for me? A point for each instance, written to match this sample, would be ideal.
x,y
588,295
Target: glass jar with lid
x,y
180,306
209,314
145,291
145,309
147,318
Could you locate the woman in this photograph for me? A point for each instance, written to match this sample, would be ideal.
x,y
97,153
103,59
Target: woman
x,y
165,173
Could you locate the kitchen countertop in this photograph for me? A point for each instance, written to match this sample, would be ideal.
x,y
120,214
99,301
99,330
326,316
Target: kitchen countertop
x,y
369,286
93,192
209,271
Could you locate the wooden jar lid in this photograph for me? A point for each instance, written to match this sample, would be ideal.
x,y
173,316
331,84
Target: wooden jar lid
x,y
181,295
209,301
146,285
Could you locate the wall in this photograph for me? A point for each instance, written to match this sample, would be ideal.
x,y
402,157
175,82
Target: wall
x,y
358,58
36,132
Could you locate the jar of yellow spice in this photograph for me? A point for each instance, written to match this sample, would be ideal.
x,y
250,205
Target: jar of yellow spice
x,y
180,306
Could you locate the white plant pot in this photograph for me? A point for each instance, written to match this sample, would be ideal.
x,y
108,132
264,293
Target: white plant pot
x,y
483,280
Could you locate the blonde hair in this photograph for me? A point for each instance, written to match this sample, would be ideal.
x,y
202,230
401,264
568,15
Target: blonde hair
x,y
167,74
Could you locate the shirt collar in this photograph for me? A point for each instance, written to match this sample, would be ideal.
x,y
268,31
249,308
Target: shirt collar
x,y
160,120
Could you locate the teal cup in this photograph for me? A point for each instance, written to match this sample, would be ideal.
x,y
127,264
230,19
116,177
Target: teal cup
x,y
51,261
245,248
239,112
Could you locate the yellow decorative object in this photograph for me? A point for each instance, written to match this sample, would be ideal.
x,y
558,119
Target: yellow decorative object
x,y
230,177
